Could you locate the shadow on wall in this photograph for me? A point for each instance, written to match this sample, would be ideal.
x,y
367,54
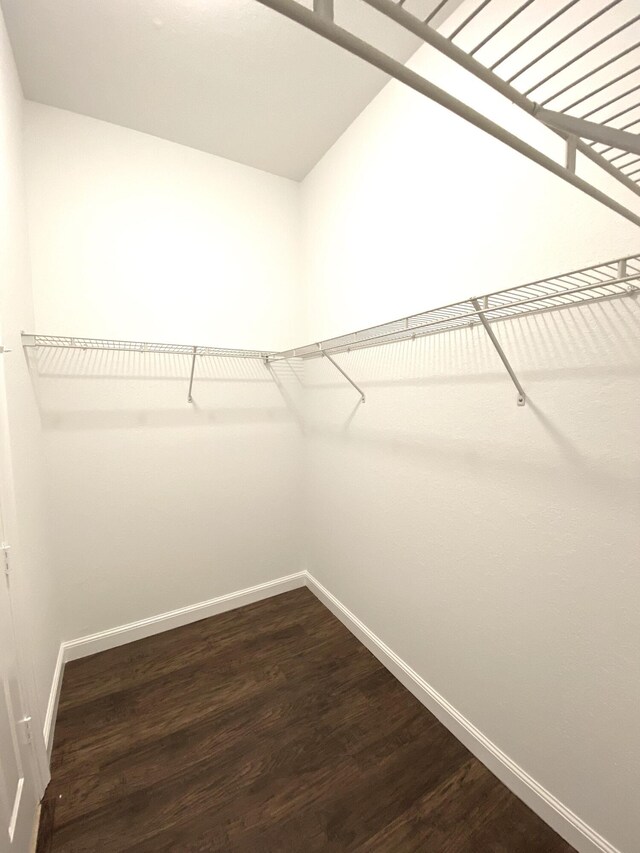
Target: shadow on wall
x,y
445,402
110,389
283,372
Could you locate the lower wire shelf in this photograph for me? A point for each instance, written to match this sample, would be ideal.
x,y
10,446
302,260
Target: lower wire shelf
x,y
616,278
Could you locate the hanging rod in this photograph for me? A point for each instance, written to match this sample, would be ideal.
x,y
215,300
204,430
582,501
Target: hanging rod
x,y
62,342
325,27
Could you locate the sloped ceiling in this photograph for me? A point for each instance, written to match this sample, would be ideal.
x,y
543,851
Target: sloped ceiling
x,y
230,77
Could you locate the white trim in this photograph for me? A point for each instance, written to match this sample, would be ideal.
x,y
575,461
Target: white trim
x,y
113,637
34,833
542,802
13,822
52,704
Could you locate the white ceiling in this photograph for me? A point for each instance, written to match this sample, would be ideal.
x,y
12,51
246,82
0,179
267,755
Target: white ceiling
x,y
230,77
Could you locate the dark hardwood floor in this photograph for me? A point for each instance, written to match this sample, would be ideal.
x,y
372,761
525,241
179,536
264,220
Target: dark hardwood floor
x,y
269,728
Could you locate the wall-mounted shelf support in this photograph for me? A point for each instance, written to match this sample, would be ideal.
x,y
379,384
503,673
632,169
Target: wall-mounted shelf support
x,y
572,151
348,378
621,140
503,358
193,368
61,342
324,8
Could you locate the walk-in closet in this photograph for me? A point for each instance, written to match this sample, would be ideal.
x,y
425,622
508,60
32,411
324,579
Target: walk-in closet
x,y
319,415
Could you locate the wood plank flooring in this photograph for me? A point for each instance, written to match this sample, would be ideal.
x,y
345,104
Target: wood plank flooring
x,y
269,728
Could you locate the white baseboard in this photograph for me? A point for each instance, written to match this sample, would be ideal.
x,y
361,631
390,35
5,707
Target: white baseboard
x,y
113,637
542,802
33,844
54,698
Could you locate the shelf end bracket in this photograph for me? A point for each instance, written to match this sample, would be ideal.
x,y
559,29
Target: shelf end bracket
x,y
522,397
349,380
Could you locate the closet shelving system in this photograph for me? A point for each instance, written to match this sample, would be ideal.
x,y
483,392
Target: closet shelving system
x,y
583,63
62,342
609,280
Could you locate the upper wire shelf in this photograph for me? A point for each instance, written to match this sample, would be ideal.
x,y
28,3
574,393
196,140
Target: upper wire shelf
x,y
572,64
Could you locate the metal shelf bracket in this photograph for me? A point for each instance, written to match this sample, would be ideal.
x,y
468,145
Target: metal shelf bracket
x,y
572,149
349,380
109,345
522,397
611,136
324,8
193,367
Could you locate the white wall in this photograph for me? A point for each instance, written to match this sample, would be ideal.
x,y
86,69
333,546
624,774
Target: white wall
x,y
33,584
494,548
158,504
137,237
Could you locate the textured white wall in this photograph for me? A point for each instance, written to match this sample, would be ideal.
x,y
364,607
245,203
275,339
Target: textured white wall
x,y
23,508
158,504
494,548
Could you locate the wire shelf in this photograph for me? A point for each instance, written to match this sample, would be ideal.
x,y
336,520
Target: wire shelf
x,y
608,280
599,45
590,284
579,59
29,340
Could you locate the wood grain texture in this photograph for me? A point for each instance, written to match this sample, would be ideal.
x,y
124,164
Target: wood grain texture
x,y
268,728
